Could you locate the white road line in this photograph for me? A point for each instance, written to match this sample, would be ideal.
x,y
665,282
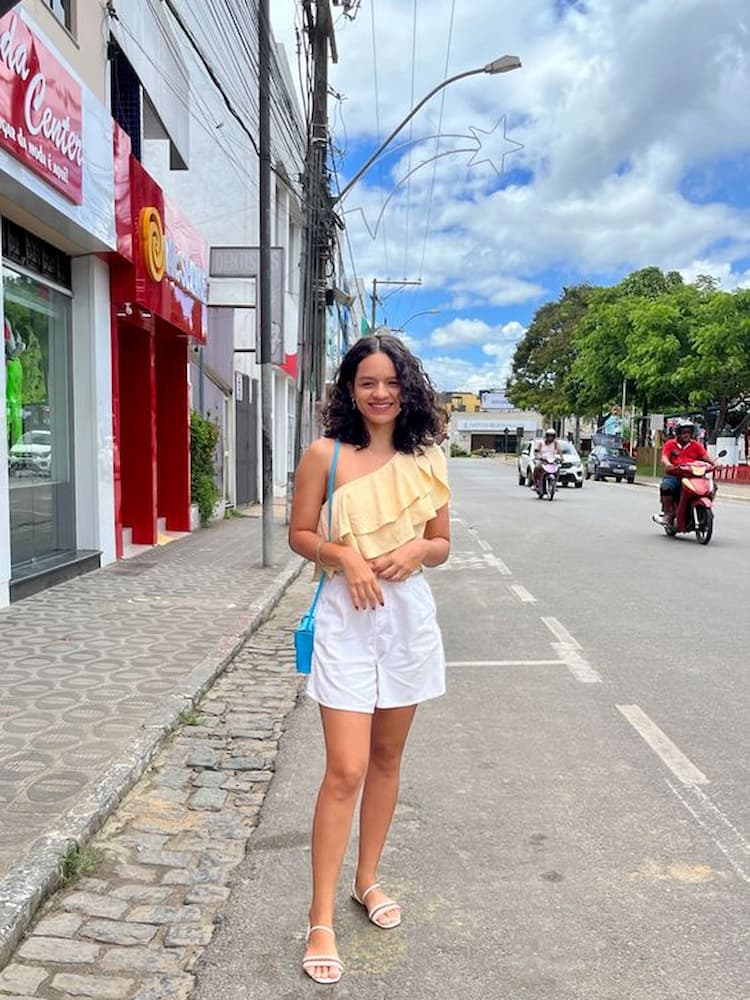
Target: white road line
x,y
561,632
504,663
682,768
581,669
496,561
720,829
522,593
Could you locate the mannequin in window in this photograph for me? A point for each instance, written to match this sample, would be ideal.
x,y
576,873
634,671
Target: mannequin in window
x,y
14,348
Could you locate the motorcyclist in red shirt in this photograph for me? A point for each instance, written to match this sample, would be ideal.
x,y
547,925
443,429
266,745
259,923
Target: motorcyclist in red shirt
x,y
682,450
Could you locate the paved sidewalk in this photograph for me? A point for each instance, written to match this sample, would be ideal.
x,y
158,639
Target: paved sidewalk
x,y
135,928
96,672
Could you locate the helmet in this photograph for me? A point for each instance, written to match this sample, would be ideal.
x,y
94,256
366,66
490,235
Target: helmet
x,y
683,423
550,432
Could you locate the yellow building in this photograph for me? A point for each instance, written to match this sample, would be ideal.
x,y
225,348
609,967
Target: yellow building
x,y
462,402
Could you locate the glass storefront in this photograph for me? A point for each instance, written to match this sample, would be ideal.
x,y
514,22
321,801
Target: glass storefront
x,y
37,322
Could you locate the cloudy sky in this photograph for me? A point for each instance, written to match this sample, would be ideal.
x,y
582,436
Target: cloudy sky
x,y
623,142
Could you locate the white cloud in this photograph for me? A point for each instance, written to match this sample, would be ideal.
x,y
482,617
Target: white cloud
x,y
453,374
475,331
610,127
627,110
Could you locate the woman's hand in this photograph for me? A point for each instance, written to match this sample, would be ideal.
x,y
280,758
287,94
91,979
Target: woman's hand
x,y
363,583
402,562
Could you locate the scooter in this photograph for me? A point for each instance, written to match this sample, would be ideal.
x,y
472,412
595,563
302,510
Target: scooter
x,y
548,480
695,506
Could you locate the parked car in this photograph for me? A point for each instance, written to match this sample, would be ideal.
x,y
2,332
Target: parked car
x,y
571,468
32,451
606,462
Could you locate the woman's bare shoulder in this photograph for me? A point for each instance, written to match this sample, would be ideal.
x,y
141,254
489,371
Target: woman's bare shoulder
x,y
317,458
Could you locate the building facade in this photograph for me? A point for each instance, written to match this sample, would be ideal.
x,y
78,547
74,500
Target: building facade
x,y
57,209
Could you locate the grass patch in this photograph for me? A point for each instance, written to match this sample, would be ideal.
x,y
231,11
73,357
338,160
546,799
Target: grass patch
x,y
189,717
78,861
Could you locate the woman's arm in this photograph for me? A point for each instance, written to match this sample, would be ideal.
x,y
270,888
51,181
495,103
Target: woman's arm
x,y
431,550
310,485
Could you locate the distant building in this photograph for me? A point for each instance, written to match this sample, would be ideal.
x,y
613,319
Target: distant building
x,y
503,431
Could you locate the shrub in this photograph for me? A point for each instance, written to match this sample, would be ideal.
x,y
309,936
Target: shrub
x,y
458,452
204,436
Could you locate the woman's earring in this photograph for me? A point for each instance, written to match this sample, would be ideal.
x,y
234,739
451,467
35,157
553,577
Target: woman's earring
x,y
354,403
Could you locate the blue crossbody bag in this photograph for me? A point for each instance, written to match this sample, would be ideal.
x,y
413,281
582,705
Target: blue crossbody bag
x,y
304,634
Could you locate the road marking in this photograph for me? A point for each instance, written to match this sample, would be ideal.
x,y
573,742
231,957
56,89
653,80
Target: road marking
x,y
561,632
522,593
497,562
680,766
581,669
720,829
485,546
504,663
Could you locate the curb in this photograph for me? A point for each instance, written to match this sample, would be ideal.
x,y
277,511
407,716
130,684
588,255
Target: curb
x,y
37,876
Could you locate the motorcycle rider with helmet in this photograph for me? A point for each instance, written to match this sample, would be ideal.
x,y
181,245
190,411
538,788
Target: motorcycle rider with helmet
x,y
683,449
546,449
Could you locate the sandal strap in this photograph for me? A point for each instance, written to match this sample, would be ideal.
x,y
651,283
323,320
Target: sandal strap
x,y
319,927
322,960
366,893
389,904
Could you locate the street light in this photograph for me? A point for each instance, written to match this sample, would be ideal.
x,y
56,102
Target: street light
x,y
424,312
502,65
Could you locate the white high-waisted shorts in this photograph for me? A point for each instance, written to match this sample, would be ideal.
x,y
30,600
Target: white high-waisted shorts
x,y
385,657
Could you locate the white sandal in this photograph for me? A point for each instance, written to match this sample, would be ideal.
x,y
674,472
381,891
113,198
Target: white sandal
x,y
376,911
312,961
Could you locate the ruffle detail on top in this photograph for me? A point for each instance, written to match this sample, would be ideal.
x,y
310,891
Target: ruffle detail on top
x,y
376,513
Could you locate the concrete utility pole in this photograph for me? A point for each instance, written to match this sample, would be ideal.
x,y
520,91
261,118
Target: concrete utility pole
x,y
264,283
318,222
382,281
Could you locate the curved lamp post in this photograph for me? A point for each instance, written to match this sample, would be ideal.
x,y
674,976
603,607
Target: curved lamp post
x,y
424,312
502,65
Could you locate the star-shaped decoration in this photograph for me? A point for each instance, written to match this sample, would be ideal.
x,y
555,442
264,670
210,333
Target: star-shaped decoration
x,y
493,148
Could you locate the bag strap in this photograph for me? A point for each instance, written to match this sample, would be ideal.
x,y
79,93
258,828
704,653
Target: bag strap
x,y
329,496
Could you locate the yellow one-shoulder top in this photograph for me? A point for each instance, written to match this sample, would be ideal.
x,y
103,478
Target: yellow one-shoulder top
x,y
377,512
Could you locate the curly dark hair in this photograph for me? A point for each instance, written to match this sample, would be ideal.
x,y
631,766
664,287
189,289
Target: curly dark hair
x,y
420,421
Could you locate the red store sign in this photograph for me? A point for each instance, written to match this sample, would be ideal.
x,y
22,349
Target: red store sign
x,y
41,119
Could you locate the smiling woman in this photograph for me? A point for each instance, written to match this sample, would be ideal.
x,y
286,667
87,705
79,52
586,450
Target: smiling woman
x,y
377,650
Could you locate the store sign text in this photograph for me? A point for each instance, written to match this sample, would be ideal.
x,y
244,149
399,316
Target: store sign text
x,y
41,120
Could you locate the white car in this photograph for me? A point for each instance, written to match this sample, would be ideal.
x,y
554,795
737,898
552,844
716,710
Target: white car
x,y
32,451
571,469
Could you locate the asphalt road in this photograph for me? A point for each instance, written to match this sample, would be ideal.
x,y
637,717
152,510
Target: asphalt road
x,y
575,814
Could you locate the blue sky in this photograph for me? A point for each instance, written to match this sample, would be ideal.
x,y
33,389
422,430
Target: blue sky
x,y
624,142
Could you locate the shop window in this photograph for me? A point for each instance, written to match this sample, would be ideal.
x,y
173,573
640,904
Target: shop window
x,y
39,419
63,11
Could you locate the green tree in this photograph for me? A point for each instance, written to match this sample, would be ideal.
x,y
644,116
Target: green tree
x,y
543,357
717,367
595,377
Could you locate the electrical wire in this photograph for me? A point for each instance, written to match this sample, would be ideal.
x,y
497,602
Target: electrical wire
x,y
377,121
411,134
428,222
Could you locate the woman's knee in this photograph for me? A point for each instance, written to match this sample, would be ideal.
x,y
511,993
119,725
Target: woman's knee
x,y
343,780
386,757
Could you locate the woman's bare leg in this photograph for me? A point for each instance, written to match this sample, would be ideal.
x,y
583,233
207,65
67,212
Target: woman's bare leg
x,y
347,743
390,728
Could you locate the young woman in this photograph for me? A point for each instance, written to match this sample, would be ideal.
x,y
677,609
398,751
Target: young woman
x,y
378,650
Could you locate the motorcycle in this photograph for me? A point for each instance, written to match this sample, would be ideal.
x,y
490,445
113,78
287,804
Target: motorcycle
x,y
547,482
695,506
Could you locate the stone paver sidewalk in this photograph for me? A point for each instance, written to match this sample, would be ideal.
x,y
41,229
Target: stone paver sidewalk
x,y
135,928
94,673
